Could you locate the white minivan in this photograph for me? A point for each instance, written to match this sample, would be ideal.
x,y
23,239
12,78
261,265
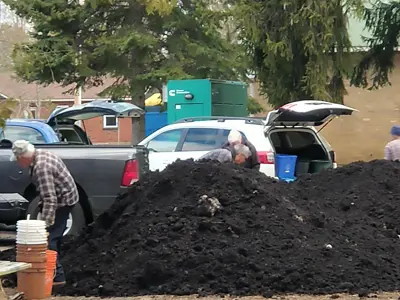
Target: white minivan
x,y
287,130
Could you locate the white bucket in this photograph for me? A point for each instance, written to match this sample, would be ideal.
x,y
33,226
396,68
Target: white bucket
x,y
23,228
28,236
32,223
32,242
31,232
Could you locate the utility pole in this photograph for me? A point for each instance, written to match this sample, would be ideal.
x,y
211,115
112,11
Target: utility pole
x,y
78,90
78,96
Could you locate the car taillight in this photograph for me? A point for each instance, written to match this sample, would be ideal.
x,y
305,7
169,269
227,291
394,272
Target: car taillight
x,y
131,173
332,155
266,157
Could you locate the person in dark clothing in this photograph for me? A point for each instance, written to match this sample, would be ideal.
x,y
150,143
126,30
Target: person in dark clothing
x,y
234,138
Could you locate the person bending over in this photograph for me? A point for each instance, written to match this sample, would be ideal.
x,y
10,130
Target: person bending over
x,y
239,156
57,191
235,138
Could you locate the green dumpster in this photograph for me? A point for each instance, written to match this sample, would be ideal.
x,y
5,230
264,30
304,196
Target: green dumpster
x,y
205,98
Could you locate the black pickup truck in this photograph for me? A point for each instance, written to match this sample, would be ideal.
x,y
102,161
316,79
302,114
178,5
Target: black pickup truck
x,y
100,171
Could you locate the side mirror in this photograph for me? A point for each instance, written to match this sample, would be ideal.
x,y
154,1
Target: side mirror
x,y
6,144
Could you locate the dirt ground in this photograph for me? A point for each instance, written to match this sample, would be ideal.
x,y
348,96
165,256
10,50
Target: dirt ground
x,y
386,296
379,296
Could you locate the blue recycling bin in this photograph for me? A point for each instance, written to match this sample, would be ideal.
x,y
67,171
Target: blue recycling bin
x,y
155,121
285,166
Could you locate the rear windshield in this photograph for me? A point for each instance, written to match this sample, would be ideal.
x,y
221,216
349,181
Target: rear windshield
x,y
14,133
293,139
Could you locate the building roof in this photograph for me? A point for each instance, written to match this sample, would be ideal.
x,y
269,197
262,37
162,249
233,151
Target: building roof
x,y
13,88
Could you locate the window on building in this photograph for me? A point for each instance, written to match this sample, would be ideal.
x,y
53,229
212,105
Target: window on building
x,y
14,133
166,141
201,139
110,122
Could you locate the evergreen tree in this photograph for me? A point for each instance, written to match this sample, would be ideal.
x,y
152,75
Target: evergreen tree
x,y
300,49
383,21
6,109
141,44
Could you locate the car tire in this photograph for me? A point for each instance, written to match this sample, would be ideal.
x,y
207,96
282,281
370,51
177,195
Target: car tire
x,y
78,217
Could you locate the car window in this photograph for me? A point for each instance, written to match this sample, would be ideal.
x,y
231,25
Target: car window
x,y
14,133
201,139
299,139
69,135
166,141
276,139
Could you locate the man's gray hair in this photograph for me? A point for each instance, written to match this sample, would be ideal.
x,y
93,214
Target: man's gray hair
x,y
242,149
22,148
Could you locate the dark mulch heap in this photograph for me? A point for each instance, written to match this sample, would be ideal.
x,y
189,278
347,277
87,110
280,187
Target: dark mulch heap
x,y
336,231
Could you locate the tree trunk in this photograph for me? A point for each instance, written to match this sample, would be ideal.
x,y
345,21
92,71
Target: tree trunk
x,y
138,125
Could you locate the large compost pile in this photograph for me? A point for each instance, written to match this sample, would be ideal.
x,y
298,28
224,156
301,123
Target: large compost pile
x,y
206,228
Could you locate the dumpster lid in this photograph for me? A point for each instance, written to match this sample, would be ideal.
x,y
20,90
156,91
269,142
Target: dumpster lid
x,y
306,113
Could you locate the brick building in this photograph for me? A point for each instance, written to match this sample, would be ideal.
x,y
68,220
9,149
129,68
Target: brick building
x,y
37,101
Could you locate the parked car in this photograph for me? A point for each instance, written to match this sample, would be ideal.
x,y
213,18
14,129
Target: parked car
x,y
39,132
61,127
99,171
288,130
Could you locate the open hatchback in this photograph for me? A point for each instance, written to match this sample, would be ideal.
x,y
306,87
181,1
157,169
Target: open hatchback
x,y
290,130
98,108
63,119
307,113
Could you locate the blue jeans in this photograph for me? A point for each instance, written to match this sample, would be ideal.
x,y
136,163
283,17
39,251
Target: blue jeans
x,y
56,232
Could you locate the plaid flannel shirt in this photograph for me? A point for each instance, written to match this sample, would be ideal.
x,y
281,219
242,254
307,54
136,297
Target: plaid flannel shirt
x,y
54,182
392,150
222,155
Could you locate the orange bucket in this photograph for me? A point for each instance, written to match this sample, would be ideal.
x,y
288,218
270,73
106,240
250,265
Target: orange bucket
x,y
50,270
31,282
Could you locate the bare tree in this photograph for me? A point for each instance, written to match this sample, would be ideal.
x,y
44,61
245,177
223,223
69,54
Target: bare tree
x,y
9,36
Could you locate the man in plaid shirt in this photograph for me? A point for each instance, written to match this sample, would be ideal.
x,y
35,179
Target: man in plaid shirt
x,y
57,190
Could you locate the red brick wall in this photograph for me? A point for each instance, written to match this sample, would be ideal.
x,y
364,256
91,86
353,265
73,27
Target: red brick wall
x,y
98,134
